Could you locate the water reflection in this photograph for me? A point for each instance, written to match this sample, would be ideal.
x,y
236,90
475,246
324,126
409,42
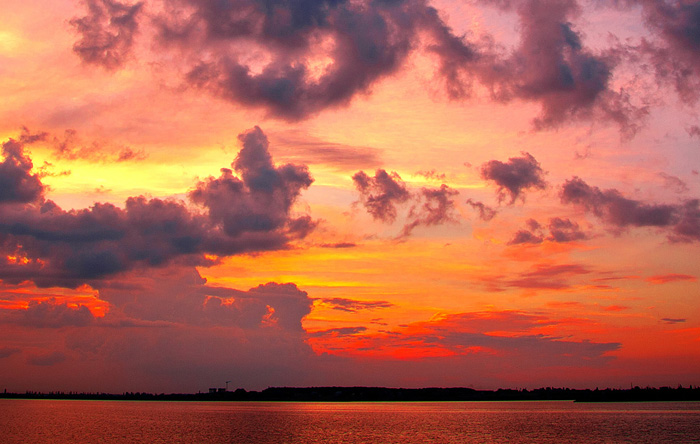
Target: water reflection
x,y
46,421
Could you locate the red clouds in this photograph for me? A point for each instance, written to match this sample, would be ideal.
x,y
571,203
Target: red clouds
x,y
672,277
480,337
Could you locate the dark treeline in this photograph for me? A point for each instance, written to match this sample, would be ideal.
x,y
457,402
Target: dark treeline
x,y
349,394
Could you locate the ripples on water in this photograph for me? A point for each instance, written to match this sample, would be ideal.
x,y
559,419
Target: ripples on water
x,y
48,421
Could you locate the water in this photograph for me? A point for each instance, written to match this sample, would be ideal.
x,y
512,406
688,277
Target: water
x,y
48,421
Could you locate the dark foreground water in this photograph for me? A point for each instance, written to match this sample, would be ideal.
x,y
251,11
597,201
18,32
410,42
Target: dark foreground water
x,y
47,421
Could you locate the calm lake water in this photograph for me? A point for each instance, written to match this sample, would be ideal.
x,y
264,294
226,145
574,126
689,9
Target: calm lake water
x,y
48,421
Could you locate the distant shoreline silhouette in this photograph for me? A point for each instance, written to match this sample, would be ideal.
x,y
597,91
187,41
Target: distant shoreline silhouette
x,y
383,394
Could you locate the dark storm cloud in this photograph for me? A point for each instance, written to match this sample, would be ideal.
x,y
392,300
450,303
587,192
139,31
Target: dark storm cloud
x,y
682,220
551,64
106,32
486,213
17,183
297,58
370,41
259,202
380,194
514,176
67,248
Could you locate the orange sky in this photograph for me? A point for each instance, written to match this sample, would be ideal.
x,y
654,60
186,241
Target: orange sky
x,y
484,194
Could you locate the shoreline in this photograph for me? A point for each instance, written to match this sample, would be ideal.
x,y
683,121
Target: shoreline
x,y
383,394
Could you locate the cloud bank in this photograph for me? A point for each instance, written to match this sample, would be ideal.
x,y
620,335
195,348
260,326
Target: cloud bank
x,y
52,247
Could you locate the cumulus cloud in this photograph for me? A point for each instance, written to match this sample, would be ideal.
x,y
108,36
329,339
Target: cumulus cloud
x,y
67,248
358,43
164,329
299,58
17,183
682,220
560,230
515,176
260,202
381,194
107,32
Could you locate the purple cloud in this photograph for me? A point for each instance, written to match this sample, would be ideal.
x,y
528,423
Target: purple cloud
x,y
486,213
106,32
683,220
436,206
17,183
380,194
514,176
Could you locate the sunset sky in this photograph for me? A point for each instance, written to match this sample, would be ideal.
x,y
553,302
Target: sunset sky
x,y
404,193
